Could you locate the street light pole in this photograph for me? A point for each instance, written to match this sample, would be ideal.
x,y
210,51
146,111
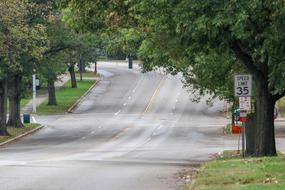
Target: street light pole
x,y
34,94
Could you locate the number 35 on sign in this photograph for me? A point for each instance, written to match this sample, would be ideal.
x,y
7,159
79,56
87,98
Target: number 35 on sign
x,y
243,85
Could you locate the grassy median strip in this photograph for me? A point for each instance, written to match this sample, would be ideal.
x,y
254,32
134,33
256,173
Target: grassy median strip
x,y
235,173
87,74
14,132
66,97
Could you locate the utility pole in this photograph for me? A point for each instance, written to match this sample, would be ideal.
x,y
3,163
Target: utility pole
x,y
34,94
130,61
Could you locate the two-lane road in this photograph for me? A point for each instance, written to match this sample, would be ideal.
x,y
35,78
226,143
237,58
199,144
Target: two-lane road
x,y
134,131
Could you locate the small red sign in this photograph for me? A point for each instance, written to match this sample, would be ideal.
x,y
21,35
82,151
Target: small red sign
x,y
243,119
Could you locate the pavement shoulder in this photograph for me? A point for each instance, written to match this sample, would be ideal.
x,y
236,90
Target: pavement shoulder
x,y
71,109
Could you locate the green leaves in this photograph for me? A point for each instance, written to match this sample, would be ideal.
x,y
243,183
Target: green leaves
x,y
19,37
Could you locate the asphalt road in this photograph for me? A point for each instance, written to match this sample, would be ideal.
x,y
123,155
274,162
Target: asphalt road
x,y
133,132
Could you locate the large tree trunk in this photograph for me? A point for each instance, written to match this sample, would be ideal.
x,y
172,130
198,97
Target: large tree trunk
x,y
250,133
95,67
265,102
14,93
83,66
265,136
72,76
3,108
51,93
80,66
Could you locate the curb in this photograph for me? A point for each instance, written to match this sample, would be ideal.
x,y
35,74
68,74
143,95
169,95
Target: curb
x,y
70,110
280,119
21,136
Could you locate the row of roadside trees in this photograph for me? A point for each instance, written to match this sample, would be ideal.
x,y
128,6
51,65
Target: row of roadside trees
x,y
208,41
35,39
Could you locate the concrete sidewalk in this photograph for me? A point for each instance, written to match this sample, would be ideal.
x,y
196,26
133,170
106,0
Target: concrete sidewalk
x,y
28,108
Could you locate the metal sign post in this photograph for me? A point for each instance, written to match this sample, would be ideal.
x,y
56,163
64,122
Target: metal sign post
x,y
243,119
243,139
243,88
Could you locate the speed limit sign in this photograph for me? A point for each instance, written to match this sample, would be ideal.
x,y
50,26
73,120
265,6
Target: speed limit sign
x,y
243,85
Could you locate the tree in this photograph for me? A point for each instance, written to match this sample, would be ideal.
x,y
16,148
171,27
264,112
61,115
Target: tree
x,y
88,47
247,33
20,44
122,42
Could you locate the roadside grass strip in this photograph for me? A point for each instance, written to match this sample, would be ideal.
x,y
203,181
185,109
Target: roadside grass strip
x,y
227,129
14,132
231,172
66,97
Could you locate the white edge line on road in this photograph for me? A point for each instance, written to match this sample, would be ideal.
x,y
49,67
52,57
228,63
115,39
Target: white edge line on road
x,y
137,85
117,112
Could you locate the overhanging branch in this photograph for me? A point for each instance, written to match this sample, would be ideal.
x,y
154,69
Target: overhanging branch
x,y
57,49
245,59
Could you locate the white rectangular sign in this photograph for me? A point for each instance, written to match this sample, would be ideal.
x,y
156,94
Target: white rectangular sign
x,y
244,103
37,82
243,85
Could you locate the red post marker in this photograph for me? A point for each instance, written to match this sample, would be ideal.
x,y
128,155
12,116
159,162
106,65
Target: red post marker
x,y
236,129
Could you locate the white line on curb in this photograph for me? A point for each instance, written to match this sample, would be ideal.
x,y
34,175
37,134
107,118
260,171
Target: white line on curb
x,y
34,119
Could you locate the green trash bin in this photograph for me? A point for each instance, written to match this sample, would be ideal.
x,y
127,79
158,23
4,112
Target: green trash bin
x,y
27,118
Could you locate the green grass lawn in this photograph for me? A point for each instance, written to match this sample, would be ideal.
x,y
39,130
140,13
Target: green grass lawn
x,y
228,129
14,132
66,97
235,173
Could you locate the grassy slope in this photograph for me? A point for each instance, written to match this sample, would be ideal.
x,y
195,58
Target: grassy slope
x,y
18,131
66,97
242,174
